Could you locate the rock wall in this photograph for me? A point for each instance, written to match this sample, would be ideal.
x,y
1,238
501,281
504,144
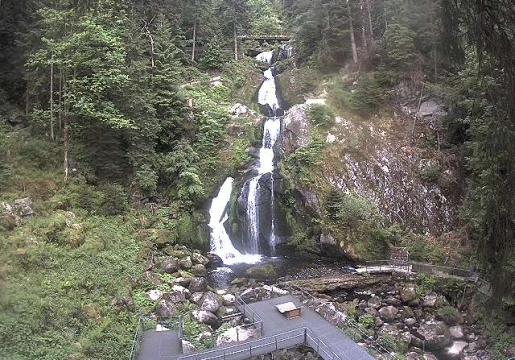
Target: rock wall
x,y
389,161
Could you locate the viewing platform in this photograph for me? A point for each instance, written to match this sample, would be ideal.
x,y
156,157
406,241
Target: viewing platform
x,y
278,332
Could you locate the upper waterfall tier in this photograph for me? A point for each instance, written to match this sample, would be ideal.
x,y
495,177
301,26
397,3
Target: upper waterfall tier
x,y
268,92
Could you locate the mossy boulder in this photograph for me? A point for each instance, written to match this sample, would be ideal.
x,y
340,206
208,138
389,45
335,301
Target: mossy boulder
x,y
262,272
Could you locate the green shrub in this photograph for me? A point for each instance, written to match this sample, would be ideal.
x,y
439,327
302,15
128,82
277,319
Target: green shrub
x,y
449,314
114,200
321,115
367,98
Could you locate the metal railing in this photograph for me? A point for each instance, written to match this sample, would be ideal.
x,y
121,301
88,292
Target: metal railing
x,y
331,314
254,318
286,340
146,323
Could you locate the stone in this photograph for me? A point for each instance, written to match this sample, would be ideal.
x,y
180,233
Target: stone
x,y
186,263
182,281
392,300
429,300
455,350
374,302
435,335
155,295
210,302
262,272
409,322
197,297
388,313
151,277
228,299
214,260
239,109
198,270
160,327
199,258
24,207
378,322
432,108
187,347
166,309
235,335
181,290
170,265
197,285
328,239
407,312
456,332
205,317
408,293
275,290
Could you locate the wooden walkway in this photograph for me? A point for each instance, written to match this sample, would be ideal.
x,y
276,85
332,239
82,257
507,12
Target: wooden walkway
x,y
265,37
279,333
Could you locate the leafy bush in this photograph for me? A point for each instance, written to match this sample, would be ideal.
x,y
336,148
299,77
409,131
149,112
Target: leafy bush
x,y
114,200
321,115
449,314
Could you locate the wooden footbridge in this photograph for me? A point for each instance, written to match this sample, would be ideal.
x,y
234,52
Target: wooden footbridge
x,y
278,332
265,37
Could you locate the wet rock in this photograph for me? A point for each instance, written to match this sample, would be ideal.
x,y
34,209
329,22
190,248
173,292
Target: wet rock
x,y
435,335
410,322
198,258
197,285
328,284
197,297
214,260
205,317
297,129
407,312
262,272
198,270
210,302
166,309
378,322
392,300
432,107
170,265
388,313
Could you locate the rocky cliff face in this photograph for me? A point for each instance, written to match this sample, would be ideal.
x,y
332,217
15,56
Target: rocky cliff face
x,y
393,162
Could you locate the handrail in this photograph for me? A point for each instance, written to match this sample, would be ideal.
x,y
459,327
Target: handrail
x,y
284,340
348,322
255,319
142,327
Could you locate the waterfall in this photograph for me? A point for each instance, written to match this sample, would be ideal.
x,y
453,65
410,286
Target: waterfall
x,y
259,213
221,244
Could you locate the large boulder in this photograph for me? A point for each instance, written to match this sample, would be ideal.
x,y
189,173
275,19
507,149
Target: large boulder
x,y
432,107
296,130
214,260
205,317
24,207
186,263
235,335
197,285
228,299
375,302
198,270
166,309
388,313
435,335
456,332
210,302
154,295
187,347
198,258
408,293
455,351
170,265
262,272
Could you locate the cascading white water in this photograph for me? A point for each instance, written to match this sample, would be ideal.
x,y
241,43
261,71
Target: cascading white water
x,y
268,92
265,57
221,244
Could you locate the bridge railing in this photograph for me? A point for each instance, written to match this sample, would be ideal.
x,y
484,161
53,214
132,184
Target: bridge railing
x,y
146,323
286,340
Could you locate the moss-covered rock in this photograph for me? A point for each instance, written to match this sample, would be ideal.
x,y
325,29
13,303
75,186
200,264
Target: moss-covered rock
x,y
262,272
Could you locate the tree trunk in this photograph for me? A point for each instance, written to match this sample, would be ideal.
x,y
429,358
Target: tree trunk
x,y
352,38
235,42
60,113
363,26
194,40
370,24
52,98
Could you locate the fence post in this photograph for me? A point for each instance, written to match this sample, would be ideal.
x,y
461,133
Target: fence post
x,y
276,348
237,336
250,349
305,336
